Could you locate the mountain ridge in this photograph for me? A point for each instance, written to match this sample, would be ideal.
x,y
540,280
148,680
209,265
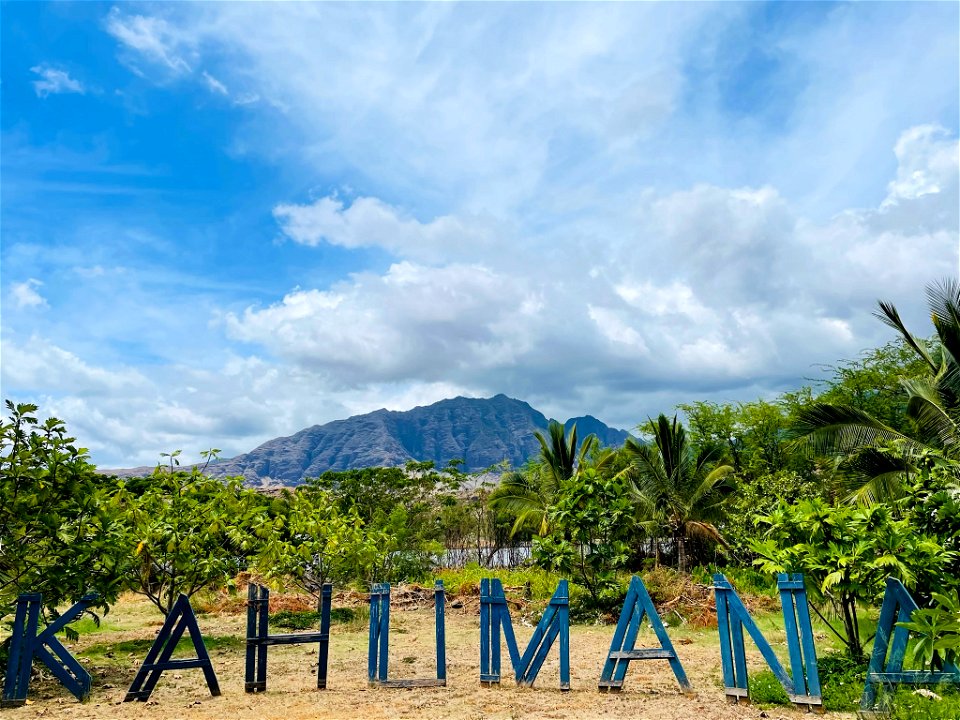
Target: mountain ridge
x,y
480,431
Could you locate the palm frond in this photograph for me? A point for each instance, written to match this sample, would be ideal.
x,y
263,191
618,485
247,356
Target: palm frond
x,y
924,406
889,315
837,429
943,299
873,475
704,531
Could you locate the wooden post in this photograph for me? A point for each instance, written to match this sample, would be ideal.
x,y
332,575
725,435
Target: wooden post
x,y
323,654
439,604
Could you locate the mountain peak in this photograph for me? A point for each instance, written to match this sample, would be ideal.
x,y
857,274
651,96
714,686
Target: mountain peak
x,y
481,431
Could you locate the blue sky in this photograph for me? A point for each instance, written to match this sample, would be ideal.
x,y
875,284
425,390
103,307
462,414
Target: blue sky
x,y
223,222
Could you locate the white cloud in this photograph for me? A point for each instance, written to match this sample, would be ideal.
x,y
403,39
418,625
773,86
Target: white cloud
x,y
151,37
571,218
215,85
54,81
25,294
369,222
412,323
37,364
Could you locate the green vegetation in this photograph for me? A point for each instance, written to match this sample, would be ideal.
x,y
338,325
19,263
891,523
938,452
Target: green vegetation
x,y
849,482
62,526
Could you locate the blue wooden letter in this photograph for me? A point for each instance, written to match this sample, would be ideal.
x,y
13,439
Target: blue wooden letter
x,y
26,644
259,638
897,606
180,618
636,604
803,687
378,651
494,615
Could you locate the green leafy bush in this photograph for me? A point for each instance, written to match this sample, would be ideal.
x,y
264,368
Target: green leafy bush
x,y
765,689
841,679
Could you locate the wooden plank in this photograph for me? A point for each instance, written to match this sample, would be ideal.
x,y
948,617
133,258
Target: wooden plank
x,y
913,678
642,654
289,639
413,683
178,664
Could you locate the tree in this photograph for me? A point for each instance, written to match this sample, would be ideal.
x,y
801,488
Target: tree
x,y
190,531
847,552
931,409
529,494
679,487
314,542
59,521
404,505
591,521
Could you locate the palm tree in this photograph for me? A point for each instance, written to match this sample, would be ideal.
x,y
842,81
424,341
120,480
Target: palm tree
x,y
530,494
678,487
932,408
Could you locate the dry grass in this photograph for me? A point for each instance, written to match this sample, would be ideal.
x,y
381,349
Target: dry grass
x,y
112,655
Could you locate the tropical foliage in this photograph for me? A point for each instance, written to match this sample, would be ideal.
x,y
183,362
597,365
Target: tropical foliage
x,y
678,487
61,530
931,409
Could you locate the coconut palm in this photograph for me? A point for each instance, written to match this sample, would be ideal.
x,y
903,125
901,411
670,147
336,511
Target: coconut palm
x,y
529,495
679,488
878,457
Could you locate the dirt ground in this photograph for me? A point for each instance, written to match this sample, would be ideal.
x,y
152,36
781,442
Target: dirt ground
x,y
650,692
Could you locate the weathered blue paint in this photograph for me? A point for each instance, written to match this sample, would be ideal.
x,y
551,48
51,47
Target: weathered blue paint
x,y
494,615
378,649
439,604
890,646
622,647
180,618
27,644
259,637
803,686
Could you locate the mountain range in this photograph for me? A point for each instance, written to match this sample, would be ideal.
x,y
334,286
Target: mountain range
x,y
481,432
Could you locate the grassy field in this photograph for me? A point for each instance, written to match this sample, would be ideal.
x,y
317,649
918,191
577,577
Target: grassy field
x,y
113,652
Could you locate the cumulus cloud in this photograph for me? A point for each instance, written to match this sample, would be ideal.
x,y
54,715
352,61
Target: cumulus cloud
x,y
369,222
25,294
54,81
707,284
412,323
568,216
